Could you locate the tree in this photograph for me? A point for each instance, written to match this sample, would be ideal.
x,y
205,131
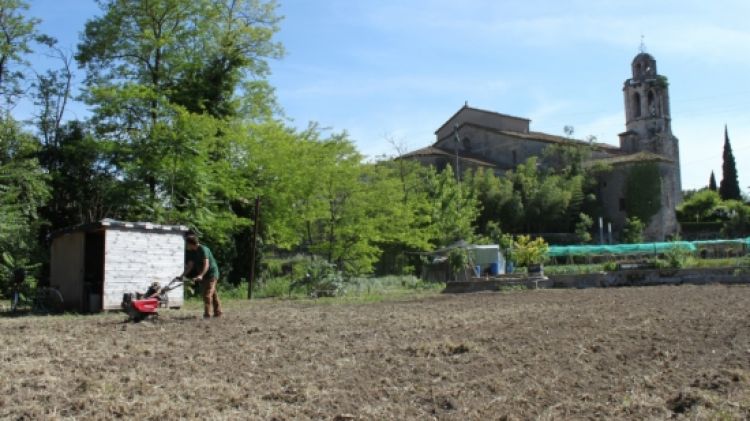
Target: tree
x,y
151,63
729,188
712,182
583,228
452,208
738,224
632,232
495,195
18,32
701,206
23,189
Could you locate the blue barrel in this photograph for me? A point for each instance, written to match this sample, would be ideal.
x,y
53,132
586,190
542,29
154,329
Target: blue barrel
x,y
508,267
478,270
495,268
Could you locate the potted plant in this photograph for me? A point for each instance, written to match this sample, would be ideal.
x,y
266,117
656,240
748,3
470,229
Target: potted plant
x,y
530,253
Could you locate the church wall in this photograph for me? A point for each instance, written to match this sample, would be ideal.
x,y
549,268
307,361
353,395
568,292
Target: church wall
x,y
483,118
503,150
662,225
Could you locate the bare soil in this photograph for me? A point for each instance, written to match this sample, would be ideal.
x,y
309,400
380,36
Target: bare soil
x,y
638,353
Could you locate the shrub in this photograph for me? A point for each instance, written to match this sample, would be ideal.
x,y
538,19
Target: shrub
x,y
458,258
321,278
610,266
583,228
529,252
274,287
677,257
633,230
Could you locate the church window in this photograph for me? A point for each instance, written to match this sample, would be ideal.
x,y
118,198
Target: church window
x,y
622,204
636,105
651,103
515,159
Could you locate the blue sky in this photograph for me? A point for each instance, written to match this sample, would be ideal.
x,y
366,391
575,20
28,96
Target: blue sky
x,y
392,71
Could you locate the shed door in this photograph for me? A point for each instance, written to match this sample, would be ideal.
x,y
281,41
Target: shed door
x,y
66,268
93,276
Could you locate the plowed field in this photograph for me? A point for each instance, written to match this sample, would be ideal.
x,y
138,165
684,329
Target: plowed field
x,y
644,353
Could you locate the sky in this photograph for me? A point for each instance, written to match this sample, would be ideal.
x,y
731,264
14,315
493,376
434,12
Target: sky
x,y
390,72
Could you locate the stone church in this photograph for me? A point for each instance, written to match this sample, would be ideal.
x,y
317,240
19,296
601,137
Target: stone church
x,y
475,138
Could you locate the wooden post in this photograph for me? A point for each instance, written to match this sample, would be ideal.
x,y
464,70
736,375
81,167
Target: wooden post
x,y
253,246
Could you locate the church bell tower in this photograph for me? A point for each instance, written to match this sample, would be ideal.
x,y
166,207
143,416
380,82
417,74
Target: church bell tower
x,y
649,134
647,119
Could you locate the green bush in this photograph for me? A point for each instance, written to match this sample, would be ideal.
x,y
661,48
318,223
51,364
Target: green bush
x,y
610,266
529,252
320,278
458,259
274,287
632,232
677,257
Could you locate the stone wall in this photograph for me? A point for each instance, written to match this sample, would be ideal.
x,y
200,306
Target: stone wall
x,y
624,278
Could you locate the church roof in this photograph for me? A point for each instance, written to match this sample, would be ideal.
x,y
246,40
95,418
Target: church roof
x,y
466,107
543,137
432,151
631,159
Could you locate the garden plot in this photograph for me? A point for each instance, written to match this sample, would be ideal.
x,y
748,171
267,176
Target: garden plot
x,y
653,352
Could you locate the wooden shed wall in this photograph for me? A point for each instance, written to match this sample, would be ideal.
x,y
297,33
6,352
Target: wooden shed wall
x,y
134,259
66,268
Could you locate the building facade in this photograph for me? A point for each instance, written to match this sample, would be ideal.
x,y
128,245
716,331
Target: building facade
x,y
474,138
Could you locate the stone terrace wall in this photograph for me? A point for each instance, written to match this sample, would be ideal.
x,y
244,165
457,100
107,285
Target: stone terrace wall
x,y
610,279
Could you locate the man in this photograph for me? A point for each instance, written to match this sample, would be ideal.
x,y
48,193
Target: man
x,y
200,265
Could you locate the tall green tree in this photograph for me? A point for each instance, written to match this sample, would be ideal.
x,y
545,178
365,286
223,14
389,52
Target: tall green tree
x,y
699,207
23,190
18,33
453,208
712,182
149,62
729,188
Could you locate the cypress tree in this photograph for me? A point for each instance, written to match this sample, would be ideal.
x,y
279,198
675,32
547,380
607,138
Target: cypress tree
x,y
730,186
712,182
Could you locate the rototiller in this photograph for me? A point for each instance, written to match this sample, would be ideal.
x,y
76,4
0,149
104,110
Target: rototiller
x,y
139,306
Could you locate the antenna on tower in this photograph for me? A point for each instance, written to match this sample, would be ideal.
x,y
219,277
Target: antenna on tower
x,y
642,47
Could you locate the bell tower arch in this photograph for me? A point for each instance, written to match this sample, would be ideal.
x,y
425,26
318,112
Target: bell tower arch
x,y
646,96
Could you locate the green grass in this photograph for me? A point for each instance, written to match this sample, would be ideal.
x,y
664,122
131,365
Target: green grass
x,y
573,269
689,262
354,290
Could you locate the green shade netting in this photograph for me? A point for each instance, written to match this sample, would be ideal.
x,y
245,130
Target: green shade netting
x,y
640,248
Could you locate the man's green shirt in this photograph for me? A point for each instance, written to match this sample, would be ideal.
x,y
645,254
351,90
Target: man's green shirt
x,y
198,256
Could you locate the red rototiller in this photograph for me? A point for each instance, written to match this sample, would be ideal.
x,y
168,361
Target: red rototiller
x,y
139,306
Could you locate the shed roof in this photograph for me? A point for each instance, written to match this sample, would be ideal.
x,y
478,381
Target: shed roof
x,y
113,223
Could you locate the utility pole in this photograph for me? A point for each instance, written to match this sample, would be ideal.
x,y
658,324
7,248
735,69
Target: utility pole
x,y
253,247
458,142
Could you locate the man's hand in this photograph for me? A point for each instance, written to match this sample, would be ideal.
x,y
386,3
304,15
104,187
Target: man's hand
x,y
197,279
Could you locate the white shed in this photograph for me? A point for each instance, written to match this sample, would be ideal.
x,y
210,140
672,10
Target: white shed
x,y
488,258
93,265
